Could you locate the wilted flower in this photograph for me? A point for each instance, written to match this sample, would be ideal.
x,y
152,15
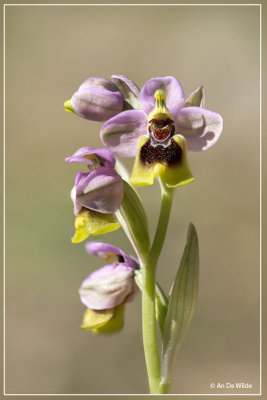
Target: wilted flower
x,y
160,132
97,194
105,291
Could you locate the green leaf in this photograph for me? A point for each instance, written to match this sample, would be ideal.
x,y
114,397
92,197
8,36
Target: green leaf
x,y
182,304
161,299
133,220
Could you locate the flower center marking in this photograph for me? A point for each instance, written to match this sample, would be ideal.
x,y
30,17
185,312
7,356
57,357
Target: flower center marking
x,y
112,257
95,161
170,155
161,125
161,129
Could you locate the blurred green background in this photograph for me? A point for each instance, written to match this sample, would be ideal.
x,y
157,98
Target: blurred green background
x,y
49,52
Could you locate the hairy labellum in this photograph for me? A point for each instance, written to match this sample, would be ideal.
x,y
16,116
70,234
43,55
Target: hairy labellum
x,y
170,155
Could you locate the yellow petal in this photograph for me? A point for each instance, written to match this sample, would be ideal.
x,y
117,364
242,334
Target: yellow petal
x,y
172,175
180,174
115,324
68,106
94,319
80,235
102,223
141,174
89,222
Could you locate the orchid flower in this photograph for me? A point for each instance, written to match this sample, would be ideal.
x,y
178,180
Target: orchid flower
x,y
97,194
161,131
105,291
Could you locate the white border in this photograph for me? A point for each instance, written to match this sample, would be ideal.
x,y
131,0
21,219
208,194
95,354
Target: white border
x,y
132,5
260,84
4,201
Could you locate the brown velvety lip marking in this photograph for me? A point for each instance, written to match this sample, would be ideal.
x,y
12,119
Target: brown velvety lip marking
x,y
170,155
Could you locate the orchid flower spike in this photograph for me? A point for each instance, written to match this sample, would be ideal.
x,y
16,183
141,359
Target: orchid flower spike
x,y
97,194
105,291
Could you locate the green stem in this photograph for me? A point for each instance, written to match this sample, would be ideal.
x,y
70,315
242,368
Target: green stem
x,y
165,210
148,295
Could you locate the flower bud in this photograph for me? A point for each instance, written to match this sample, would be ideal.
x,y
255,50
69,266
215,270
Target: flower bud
x,y
97,81
96,103
97,99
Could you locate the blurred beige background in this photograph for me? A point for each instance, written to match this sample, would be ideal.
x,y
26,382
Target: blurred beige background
x,y
49,52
